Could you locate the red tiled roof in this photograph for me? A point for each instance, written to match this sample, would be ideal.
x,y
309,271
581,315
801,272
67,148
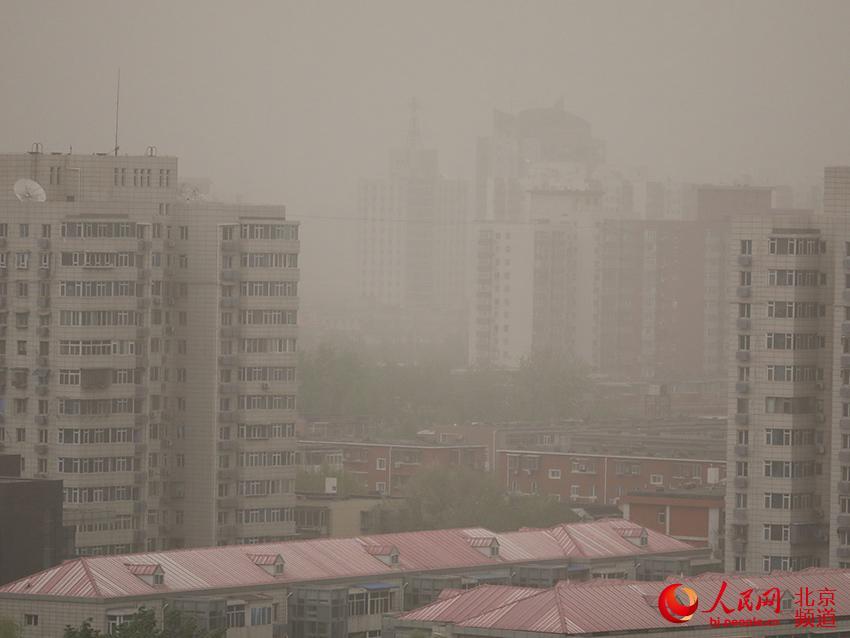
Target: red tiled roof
x,y
580,607
321,559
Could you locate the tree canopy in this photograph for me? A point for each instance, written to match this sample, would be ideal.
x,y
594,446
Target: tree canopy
x,y
143,625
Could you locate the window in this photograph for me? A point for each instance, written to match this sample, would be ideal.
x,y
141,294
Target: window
x,y
31,620
656,479
746,246
554,474
235,616
381,463
380,487
261,616
662,517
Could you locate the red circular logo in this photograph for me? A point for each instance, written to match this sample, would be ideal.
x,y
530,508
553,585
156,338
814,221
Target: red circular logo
x,y
671,605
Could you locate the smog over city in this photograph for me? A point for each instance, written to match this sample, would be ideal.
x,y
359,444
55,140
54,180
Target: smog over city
x,y
424,319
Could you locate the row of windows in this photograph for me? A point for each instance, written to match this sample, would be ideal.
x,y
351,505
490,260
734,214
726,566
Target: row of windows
x,y
266,459
99,289
86,436
796,278
116,375
258,345
98,259
264,515
98,464
786,436
264,231
266,431
100,494
269,260
266,402
267,374
787,246
794,341
85,347
268,317
101,318
794,373
263,487
795,309
268,288
100,229
785,501
100,406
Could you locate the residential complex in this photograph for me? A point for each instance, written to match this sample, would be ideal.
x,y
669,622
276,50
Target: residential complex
x,y
334,588
629,608
148,352
789,403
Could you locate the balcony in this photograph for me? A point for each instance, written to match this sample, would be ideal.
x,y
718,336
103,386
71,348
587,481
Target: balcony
x,y
845,325
230,275
231,331
140,449
847,263
228,388
742,419
229,302
741,482
43,331
142,333
227,531
843,521
228,360
846,295
227,503
229,246
843,551
44,302
739,515
144,245
44,273
226,446
41,419
745,260
143,302
844,391
140,419
43,362
40,448
739,545
742,387
139,507
742,355
41,390
742,450
44,243
743,323
844,488
139,478
844,423
844,456
745,291
226,417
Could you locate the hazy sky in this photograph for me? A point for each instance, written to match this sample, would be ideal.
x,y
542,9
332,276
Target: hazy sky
x,y
291,102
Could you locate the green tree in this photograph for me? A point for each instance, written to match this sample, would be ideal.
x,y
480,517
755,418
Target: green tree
x,y
143,625
9,628
459,497
85,630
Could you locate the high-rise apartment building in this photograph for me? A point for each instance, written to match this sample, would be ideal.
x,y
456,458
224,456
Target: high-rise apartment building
x,y
149,351
788,496
412,249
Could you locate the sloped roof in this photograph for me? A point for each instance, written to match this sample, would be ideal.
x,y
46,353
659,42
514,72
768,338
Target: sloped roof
x,y
322,559
580,607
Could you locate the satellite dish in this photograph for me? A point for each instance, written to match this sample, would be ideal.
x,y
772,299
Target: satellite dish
x,y
27,190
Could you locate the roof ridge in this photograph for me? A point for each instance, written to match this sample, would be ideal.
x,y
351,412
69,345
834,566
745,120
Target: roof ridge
x,y
509,602
563,527
561,611
91,578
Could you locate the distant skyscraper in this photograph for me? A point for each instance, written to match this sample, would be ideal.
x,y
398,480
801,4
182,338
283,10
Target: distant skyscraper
x,y
412,245
149,352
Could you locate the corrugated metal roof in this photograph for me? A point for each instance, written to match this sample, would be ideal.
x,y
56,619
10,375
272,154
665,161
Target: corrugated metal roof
x,y
143,569
580,608
313,560
264,559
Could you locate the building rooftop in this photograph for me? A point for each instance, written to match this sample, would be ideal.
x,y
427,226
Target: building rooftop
x,y
229,567
579,608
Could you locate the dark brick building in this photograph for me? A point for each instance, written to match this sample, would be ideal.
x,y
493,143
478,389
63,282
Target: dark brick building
x,y
31,534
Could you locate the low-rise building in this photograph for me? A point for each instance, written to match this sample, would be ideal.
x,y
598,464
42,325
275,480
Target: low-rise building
x,y
333,588
385,468
696,515
628,608
337,516
600,478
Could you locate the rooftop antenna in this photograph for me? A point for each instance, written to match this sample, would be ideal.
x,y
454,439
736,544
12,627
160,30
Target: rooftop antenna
x,y
117,101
